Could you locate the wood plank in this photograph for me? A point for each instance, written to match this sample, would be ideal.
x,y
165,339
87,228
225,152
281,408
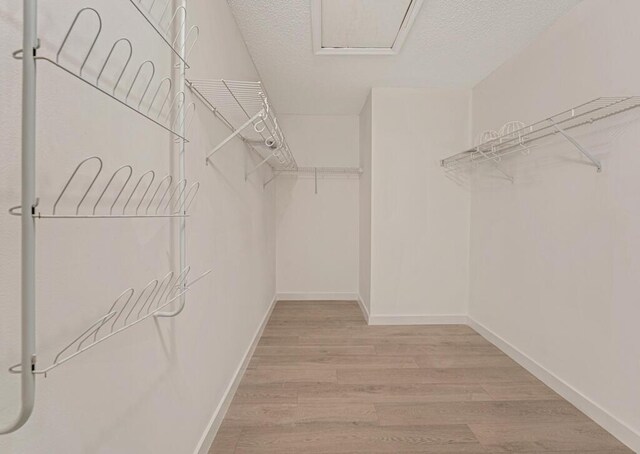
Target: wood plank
x,y
293,375
336,413
470,375
334,361
436,349
265,394
520,391
464,360
336,392
257,415
359,439
484,412
561,436
314,350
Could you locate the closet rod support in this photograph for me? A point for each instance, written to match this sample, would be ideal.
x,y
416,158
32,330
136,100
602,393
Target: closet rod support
x,y
235,133
597,164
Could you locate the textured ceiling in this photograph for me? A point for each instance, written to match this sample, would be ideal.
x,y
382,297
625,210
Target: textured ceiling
x,y
453,44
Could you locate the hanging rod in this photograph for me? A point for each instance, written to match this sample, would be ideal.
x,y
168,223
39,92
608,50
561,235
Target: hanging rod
x,y
335,171
126,311
316,172
517,137
135,200
168,119
244,107
164,32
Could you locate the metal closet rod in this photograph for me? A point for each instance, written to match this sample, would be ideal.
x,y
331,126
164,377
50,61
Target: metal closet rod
x,y
316,172
168,119
168,200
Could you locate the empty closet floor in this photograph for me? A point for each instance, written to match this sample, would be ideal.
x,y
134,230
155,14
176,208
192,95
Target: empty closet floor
x,y
322,381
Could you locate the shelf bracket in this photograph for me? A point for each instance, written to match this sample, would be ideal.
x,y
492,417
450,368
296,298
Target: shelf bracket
x,y
497,166
263,162
576,144
235,133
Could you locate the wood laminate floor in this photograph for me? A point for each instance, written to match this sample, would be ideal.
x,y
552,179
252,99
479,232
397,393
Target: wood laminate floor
x,y
323,382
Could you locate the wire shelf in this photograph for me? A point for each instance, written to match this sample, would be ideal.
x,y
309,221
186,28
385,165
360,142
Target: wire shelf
x,y
162,21
129,308
516,137
244,108
119,196
170,113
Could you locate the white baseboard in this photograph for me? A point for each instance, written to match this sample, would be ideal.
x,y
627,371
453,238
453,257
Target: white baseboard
x,y
453,319
617,428
363,308
218,415
320,296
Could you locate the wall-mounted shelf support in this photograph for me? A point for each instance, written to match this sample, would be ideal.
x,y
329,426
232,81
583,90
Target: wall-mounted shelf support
x,y
234,134
576,144
495,162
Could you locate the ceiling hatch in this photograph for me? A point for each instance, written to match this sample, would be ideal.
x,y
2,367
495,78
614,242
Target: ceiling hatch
x,y
361,27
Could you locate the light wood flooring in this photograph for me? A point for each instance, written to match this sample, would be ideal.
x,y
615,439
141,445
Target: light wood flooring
x,y
323,382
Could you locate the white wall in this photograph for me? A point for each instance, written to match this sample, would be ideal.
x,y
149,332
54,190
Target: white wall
x,y
154,387
554,256
317,234
420,221
364,283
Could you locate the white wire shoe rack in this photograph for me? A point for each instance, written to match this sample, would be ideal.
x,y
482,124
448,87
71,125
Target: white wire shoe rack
x,y
121,193
244,108
152,100
517,138
127,310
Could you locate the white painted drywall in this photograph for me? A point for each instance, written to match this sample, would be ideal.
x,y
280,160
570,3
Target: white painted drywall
x,y
154,387
364,268
317,234
554,256
419,219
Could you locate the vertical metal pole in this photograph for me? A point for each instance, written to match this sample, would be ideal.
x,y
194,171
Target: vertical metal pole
x,y
182,228
315,174
28,288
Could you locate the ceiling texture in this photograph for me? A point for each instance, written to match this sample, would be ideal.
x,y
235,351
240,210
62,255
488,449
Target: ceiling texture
x,y
452,44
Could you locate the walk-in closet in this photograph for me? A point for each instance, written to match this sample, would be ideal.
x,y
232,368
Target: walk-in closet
x,y
319,227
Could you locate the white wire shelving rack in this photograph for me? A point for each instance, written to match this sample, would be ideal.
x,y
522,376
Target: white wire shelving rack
x,y
121,196
244,108
153,101
164,104
127,310
515,137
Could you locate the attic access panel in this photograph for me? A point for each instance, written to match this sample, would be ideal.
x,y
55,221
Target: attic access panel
x,y
361,27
